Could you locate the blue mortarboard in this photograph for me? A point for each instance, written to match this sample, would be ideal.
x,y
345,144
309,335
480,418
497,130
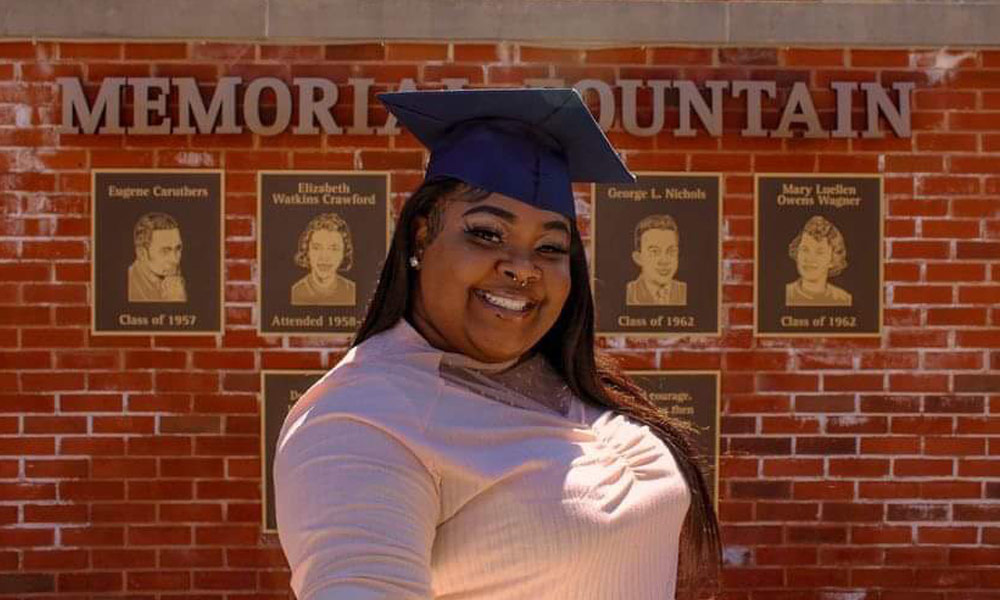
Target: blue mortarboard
x,y
529,144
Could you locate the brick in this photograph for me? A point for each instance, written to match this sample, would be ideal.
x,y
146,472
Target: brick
x,y
355,52
977,383
950,489
826,445
112,558
226,490
157,580
933,228
917,512
627,55
880,535
159,446
54,560
190,512
823,490
952,446
987,338
123,512
167,381
26,583
981,425
855,382
224,580
894,445
159,535
988,294
761,446
90,50
977,512
946,535
979,468
818,534
90,582
858,467
122,468
812,57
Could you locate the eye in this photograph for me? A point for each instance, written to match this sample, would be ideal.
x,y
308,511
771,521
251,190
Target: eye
x,y
486,234
558,249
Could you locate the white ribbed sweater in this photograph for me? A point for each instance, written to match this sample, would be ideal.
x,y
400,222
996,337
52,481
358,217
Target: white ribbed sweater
x,y
392,483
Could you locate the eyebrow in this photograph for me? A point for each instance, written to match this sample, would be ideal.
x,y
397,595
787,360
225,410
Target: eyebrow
x,y
510,217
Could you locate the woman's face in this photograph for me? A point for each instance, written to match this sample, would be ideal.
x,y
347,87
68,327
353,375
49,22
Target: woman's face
x,y
814,258
326,252
467,300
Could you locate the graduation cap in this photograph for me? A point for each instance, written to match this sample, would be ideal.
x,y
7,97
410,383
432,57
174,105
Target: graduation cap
x,y
529,144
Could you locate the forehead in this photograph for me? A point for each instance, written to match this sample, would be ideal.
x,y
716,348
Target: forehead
x,y
523,214
812,240
326,236
660,237
166,236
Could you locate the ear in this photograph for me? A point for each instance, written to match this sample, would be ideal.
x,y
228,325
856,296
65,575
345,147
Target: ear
x,y
637,258
420,233
142,253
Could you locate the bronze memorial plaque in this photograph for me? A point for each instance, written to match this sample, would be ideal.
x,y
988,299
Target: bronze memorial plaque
x,y
818,255
322,237
655,255
157,256
279,391
694,397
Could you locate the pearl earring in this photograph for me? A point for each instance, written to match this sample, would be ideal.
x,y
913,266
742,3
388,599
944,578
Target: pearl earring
x,y
415,262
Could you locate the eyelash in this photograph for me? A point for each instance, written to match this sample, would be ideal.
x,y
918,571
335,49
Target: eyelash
x,y
494,237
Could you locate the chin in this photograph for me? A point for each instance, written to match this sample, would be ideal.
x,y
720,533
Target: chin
x,y
501,346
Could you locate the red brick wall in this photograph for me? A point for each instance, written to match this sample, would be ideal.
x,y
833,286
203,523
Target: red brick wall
x,y
853,469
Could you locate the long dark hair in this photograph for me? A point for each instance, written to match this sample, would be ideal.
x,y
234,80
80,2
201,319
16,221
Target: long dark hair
x,y
569,347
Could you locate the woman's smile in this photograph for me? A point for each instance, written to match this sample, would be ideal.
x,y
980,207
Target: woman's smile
x,y
508,304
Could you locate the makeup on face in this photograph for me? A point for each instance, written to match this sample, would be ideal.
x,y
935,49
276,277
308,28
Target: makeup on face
x,y
494,280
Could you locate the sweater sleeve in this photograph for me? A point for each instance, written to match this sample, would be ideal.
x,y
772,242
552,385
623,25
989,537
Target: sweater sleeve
x,y
356,511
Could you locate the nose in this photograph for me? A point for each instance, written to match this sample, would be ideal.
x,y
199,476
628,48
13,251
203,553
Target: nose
x,y
519,269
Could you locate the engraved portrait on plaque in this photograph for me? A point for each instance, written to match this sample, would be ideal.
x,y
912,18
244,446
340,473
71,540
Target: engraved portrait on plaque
x,y
322,239
691,396
655,255
157,251
279,391
819,255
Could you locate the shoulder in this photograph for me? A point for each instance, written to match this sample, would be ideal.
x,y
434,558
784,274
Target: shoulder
x,y
838,293
343,281
632,290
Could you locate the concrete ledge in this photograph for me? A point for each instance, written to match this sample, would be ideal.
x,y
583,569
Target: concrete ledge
x,y
133,19
884,23
604,22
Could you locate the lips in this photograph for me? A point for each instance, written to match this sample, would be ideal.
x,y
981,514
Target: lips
x,y
508,302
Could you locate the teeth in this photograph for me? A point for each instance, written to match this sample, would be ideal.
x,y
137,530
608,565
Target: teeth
x,y
508,303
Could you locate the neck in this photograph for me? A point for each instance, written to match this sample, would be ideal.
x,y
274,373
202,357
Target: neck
x,y
330,283
814,286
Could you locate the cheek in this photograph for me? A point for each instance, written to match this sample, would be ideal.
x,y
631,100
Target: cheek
x,y
559,282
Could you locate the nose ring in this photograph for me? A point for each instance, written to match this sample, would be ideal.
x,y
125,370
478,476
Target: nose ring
x,y
522,283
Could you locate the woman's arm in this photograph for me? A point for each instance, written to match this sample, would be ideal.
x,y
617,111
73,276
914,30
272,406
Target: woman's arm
x,y
356,512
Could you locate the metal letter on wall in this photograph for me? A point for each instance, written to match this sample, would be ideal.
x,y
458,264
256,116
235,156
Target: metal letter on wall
x,y
656,255
818,255
157,265
279,391
322,237
691,396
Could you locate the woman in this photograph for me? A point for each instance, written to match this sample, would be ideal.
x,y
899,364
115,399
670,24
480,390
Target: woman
x,y
819,253
325,249
471,444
